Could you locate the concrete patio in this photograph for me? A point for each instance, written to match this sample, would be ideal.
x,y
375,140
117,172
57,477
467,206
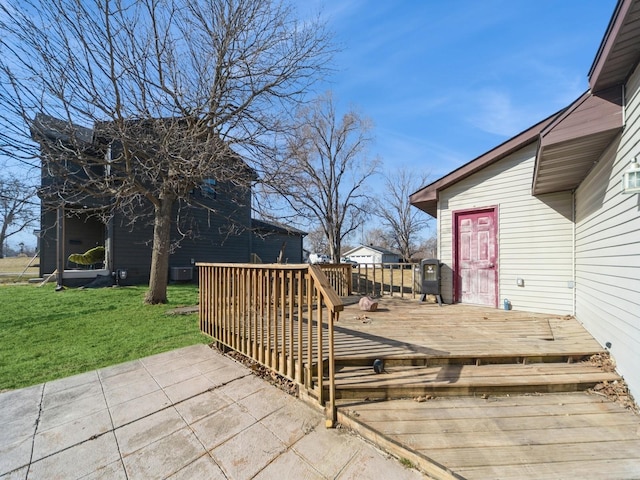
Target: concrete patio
x,y
190,413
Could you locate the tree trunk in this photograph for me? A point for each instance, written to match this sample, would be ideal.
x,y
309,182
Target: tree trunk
x,y
159,275
334,250
3,237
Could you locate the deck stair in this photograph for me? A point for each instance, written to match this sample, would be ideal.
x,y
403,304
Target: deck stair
x,y
503,391
466,376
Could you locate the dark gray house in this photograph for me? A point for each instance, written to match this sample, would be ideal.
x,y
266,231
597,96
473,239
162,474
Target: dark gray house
x,y
75,223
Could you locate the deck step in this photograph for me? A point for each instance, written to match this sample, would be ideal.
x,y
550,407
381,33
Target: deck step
x,y
463,359
353,382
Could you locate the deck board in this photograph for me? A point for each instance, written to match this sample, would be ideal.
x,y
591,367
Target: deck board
x,y
405,327
520,436
403,381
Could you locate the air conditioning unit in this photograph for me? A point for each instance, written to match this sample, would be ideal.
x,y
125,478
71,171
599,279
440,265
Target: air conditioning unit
x,y
181,274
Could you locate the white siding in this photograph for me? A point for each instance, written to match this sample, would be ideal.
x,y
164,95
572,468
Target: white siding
x,y
608,249
535,234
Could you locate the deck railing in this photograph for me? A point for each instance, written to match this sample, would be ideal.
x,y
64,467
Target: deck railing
x,y
386,279
340,277
375,279
281,316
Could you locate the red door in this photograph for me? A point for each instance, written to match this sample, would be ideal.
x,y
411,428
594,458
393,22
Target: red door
x,y
476,253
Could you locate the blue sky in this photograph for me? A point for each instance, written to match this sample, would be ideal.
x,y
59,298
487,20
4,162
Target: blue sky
x,y
446,80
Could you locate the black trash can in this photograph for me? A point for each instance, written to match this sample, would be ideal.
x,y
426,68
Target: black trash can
x,y
430,279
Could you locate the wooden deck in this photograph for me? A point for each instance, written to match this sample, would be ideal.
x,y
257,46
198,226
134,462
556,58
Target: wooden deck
x,y
463,350
551,436
407,328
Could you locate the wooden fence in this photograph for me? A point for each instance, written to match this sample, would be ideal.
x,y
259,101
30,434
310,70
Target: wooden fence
x,y
281,316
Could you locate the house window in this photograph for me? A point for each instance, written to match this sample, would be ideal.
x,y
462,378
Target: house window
x,y
208,188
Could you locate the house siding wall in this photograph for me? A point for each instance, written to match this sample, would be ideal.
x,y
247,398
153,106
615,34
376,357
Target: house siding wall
x,y
223,235
608,248
209,239
267,246
535,234
132,249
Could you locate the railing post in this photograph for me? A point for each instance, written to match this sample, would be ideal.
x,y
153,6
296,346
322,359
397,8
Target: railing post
x,y
320,351
330,405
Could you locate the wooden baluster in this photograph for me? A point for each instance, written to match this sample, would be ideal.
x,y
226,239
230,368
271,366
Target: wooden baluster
x,y
262,298
300,301
309,331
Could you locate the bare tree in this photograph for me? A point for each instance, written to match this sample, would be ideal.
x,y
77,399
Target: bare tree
x,y
429,247
316,240
323,176
379,238
403,222
17,208
170,88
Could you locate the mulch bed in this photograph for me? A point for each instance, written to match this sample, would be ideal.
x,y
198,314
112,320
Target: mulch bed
x,y
283,383
616,391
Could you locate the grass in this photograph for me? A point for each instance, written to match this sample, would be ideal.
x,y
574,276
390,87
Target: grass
x,y
406,463
46,335
12,267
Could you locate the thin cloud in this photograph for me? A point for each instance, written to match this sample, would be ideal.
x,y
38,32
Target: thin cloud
x,y
417,151
494,112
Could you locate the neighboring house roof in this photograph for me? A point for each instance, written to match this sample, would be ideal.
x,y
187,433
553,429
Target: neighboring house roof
x,y
264,226
572,140
381,250
59,130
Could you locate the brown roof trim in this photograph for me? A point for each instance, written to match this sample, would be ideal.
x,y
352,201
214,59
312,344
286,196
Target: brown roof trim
x,y
610,34
561,116
573,142
614,62
426,199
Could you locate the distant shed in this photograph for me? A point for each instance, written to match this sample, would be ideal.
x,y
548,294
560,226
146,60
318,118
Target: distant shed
x,y
370,254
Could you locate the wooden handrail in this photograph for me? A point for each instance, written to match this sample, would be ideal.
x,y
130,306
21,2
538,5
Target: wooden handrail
x,y
330,295
281,316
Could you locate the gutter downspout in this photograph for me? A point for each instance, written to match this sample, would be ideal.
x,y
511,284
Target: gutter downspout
x,y
573,250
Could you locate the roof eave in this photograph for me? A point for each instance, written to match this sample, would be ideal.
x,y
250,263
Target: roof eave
x,y
617,55
574,142
426,199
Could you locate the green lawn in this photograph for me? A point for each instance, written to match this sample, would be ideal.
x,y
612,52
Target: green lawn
x,y
46,335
